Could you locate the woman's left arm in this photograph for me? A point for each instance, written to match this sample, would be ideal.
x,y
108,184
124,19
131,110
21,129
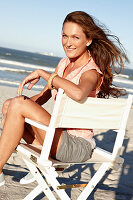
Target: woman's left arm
x,y
88,82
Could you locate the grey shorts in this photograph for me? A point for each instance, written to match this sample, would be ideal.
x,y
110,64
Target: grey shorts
x,y
73,149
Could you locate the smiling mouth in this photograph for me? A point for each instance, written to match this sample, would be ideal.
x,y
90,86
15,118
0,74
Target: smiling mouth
x,y
70,49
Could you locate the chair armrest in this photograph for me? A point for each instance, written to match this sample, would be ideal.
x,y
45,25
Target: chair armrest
x,y
36,124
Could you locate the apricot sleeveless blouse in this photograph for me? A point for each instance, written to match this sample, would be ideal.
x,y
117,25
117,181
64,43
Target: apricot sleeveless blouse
x,y
74,76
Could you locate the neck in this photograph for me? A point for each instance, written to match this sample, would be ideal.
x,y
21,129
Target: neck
x,y
81,60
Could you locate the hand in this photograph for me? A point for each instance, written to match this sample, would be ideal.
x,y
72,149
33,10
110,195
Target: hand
x,y
32,79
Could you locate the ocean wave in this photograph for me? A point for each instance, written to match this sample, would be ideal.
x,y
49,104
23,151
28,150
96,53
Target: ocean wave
x,y
122,75
14,70
124,81
9,62
128,90
18,83
117,80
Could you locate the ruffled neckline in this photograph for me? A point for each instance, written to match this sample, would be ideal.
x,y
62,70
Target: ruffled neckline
x,y
76,71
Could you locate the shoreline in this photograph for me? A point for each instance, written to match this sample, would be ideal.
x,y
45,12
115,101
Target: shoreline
x,y
117,185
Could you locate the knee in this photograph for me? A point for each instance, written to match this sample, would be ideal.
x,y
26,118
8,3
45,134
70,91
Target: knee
x,y
5,106
16,103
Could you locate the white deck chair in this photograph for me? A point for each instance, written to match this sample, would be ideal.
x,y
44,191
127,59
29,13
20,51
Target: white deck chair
x,y
93,113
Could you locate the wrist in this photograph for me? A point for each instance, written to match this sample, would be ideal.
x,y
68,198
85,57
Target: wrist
x,y
39,72
50,81
44,74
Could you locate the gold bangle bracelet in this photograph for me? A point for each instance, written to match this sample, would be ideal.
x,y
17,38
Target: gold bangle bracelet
x,y
49,83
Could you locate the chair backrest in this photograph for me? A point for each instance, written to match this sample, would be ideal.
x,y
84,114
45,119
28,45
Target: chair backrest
x,y
92,113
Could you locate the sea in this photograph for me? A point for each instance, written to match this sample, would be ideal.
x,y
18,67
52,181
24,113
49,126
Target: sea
x,y
16,64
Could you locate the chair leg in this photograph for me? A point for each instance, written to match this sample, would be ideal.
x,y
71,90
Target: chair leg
x,y
94,180
51,179
42,185
33,193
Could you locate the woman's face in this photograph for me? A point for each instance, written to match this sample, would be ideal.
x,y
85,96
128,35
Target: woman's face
x,y
74,40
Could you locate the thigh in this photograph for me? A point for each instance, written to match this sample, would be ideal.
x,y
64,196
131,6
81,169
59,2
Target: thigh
x,y
27,108
30,109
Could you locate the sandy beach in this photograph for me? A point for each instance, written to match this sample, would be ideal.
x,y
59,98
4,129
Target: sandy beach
x,y
117,185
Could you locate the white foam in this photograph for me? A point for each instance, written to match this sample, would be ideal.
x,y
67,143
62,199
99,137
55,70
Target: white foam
x,y
128,90
123,81
122,75
13,70
17,84
26,65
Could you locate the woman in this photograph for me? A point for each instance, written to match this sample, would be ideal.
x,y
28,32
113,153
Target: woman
x,y
86,71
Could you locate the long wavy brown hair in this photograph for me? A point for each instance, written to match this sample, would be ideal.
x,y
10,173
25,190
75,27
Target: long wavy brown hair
x,y
106,50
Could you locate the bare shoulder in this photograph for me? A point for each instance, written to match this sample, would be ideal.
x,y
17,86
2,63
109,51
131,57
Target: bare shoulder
x,y
91,75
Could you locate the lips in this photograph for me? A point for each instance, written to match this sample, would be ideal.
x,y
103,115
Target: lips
x,y
70,49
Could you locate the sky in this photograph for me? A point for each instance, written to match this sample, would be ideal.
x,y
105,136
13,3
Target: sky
x,y
35,25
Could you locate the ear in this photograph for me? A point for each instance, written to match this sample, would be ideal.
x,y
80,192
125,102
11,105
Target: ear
x,y
88,43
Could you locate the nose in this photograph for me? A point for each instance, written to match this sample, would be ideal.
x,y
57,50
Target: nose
x,y
69,41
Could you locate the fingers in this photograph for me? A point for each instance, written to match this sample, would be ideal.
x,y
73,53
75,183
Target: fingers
x,y
20,88
24,82
32,83
32,79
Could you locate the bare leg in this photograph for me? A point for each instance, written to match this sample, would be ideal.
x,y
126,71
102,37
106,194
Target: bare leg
x,y
28,135
4,110
14,129
30,132
18,109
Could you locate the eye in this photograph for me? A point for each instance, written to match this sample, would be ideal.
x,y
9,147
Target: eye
x,y
76,37
64,36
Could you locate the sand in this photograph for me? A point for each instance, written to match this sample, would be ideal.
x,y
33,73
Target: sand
x,y
117,185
